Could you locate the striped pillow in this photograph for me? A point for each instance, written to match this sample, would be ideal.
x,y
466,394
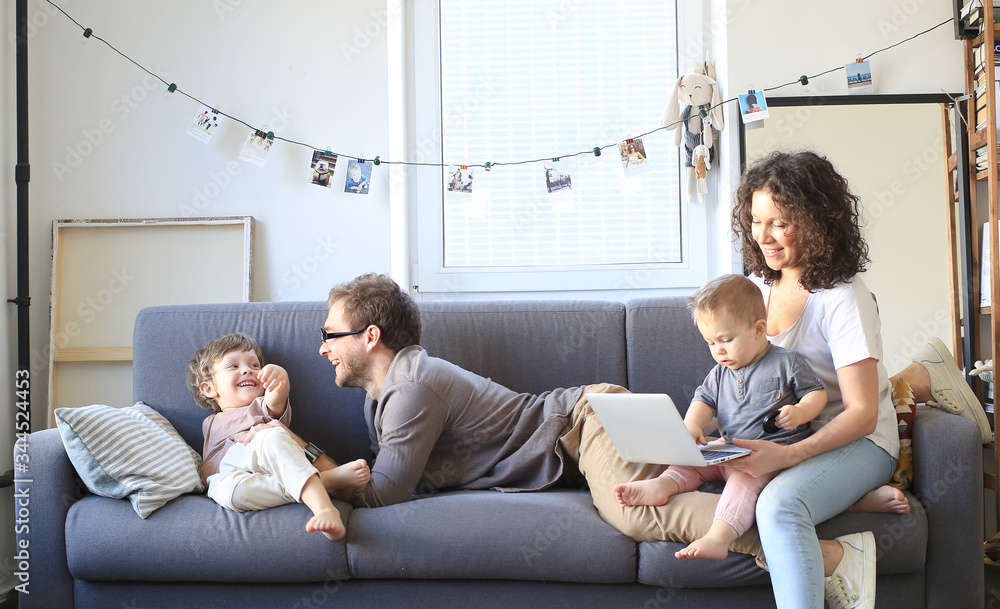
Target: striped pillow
x,y
129,452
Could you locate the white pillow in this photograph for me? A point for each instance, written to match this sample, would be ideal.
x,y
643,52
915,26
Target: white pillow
x,y
129,452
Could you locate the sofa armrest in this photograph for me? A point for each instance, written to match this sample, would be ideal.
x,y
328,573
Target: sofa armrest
x,y
948,481
43,495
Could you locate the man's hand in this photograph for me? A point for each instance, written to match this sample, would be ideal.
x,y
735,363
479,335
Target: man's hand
x,y
257,428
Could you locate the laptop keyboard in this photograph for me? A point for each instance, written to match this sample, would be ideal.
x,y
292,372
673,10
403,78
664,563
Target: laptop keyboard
x,y
716,454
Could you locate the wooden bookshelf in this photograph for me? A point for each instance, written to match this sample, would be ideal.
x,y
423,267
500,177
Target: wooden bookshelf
x,y
976,121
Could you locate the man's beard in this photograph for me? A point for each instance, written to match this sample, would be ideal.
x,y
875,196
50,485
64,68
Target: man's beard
x,y
350,373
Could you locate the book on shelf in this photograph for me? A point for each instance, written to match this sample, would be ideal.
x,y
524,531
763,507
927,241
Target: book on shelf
x,y
972,14
984,268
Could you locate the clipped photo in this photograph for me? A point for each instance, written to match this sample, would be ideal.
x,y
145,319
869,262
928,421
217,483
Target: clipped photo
x,y
859,77
633,155
556,177
323,165
359,176
204,124
256,148
753,107
460,180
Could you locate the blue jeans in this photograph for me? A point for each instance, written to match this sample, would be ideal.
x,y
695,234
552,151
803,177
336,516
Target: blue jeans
x,y
802,496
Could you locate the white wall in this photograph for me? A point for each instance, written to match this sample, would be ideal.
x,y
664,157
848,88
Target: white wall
x,y
898,178
107,143
772,42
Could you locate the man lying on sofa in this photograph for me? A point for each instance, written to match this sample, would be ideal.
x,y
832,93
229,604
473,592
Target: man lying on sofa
x,y
436,426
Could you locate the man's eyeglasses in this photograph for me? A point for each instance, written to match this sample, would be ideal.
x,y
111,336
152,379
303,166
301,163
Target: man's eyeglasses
x,y
331,335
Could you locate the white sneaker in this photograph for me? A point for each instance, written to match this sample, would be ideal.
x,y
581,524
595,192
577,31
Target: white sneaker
x,y
949,390
852,584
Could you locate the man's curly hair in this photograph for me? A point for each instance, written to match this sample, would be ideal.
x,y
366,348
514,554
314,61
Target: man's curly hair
x,y
376,300
818,206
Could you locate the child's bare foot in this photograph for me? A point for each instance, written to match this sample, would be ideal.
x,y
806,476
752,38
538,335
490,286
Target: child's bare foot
x,y
348,475
327,522
647,492
885,499
708,549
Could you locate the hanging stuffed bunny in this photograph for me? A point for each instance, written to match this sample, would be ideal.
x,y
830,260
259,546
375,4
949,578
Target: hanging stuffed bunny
x,y
692,93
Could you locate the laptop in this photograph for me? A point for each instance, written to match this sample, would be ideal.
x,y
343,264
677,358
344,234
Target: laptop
x,y
647,428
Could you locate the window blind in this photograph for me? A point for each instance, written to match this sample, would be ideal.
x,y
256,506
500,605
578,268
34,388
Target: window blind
x,y
535,80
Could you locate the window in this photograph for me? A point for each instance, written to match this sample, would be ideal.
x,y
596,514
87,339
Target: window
x,y
540,84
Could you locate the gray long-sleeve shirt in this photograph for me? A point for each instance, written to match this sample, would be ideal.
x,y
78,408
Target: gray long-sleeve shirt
x,y
438,426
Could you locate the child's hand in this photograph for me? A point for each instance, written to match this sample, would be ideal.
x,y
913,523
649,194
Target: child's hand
x,y
791,416
696,433
274,378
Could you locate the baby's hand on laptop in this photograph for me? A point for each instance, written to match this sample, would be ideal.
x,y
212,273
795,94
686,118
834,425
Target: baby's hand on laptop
x,y
696,433
791,416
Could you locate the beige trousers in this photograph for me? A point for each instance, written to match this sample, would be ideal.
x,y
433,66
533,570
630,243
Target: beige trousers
x,y
685,518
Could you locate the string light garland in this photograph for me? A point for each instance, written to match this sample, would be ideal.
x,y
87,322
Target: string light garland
x,y
488,166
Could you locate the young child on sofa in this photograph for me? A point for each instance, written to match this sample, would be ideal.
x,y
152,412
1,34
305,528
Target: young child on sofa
x,y
271,466
752,380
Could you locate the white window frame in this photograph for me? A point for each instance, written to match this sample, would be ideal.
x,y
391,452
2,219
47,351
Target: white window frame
x,y
425,194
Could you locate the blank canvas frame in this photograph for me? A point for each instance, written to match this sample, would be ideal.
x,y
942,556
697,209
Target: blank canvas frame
x,y
105,271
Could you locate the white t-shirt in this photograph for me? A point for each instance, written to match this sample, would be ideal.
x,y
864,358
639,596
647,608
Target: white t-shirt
x,y
839,327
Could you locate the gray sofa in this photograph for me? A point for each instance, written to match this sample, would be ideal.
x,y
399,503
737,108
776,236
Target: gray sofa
x,y
464,548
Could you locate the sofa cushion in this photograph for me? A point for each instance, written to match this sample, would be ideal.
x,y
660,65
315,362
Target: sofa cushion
x,y
659,567
530,346
551,535
668,352
129,452
194,539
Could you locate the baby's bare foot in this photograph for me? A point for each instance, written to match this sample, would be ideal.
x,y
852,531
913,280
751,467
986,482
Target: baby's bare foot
x,y
349,475
705,548
327,522
885,499
646,492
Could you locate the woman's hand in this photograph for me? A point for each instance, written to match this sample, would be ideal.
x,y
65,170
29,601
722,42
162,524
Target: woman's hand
x,y
767,457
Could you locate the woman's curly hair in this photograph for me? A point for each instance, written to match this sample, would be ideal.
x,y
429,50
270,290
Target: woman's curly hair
x,y
818,205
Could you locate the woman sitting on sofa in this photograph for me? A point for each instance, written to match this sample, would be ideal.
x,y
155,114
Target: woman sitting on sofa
x,y
798,223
